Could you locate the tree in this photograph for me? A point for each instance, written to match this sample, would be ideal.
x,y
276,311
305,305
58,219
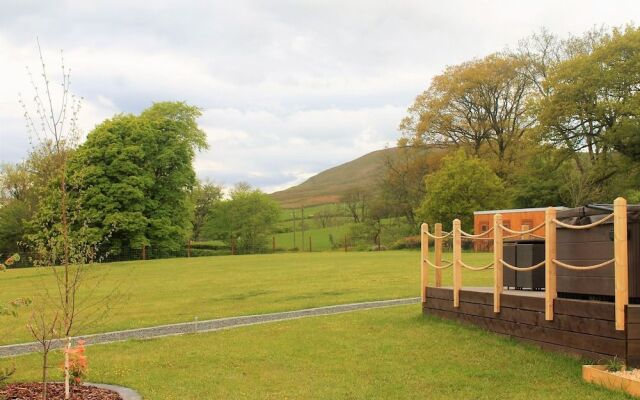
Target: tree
x,y
477,104
324,216
203,197
355,200
403,181
136,174
540,180
244,220
59,237
594,105
463,185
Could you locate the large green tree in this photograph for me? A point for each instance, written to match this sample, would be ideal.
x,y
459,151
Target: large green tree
x,y
463,185
593,108
244,220
135,174
480,104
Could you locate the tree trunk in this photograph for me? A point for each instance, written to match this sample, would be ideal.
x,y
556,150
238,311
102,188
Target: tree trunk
x,y
67,389
45,357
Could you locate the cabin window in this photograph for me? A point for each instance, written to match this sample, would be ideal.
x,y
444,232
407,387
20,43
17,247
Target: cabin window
x,y
527,222
484,228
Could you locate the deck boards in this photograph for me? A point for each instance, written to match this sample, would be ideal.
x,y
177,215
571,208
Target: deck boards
x,y
580,327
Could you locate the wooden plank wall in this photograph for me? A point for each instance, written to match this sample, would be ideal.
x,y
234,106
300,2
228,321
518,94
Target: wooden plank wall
x,y
513,219
584,328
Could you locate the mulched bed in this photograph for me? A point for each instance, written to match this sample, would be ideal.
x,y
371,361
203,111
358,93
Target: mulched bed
x,y
55,391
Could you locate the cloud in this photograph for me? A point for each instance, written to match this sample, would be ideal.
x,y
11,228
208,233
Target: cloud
x,y
287,88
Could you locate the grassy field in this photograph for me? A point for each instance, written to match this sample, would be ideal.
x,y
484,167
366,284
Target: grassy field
x,y
178,290
319,238
392,353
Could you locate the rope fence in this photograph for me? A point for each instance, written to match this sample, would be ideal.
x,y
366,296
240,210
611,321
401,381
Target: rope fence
x,y
550,262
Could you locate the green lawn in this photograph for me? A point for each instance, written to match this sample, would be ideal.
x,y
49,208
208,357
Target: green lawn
x,y
393,353
178,290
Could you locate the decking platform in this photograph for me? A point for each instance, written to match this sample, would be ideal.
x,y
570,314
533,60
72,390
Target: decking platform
x,y
580,327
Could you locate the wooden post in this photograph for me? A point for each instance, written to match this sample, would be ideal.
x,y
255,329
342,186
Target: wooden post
x,y
497,264
273,244
438,254
424,256
457,267
189,248
621,273
550,281
345,244
310,249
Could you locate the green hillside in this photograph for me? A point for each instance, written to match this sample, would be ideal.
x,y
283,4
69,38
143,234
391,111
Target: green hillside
x,y
328,186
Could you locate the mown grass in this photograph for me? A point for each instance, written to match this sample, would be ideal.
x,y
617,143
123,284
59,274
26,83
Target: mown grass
x,y
393,353
177,290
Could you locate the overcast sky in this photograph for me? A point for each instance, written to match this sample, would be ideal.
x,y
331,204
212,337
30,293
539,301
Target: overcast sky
x,y
287,88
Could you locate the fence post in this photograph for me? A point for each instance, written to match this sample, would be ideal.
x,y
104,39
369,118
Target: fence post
x,y
310,249
457,267
550,280
273,244
497,262
621,273
438,254
424,256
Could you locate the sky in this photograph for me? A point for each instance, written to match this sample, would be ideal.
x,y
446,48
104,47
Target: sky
x,y
287,88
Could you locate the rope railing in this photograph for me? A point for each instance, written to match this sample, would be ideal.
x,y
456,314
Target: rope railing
x,y
443,266
591,225
443,236
550,262
522,269
504,228
583,268
468,235
472,268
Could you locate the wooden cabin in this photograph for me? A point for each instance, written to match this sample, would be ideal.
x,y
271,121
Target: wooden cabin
x,y
515,219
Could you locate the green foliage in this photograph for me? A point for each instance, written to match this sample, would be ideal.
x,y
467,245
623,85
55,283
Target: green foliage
x,y
463,185
614,364
243,221
594,107
539,182
203,197
135,174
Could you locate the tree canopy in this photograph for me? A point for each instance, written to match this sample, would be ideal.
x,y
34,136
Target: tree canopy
x,y
134,175
463,185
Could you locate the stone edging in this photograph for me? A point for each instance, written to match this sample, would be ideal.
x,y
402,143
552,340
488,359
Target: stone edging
x,y
125,393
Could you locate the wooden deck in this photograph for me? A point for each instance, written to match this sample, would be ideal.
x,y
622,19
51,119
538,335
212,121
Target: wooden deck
x,y
580,327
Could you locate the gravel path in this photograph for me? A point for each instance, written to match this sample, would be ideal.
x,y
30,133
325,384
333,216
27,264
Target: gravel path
x,y
208,325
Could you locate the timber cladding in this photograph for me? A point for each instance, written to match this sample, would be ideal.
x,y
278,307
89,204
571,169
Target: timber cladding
x,y
580,327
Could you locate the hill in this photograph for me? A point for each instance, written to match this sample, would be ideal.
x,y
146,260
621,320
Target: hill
x,y
329,185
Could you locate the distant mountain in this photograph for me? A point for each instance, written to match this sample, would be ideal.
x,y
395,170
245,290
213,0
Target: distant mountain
x,y
328,186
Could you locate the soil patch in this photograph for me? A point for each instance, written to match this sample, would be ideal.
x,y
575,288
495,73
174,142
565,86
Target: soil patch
x,y
33,391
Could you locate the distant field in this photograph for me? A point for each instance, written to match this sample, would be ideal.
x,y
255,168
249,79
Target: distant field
x,y
393,353
320,240
178,290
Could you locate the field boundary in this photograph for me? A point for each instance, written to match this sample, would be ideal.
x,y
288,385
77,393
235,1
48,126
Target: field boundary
x,y
207,325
